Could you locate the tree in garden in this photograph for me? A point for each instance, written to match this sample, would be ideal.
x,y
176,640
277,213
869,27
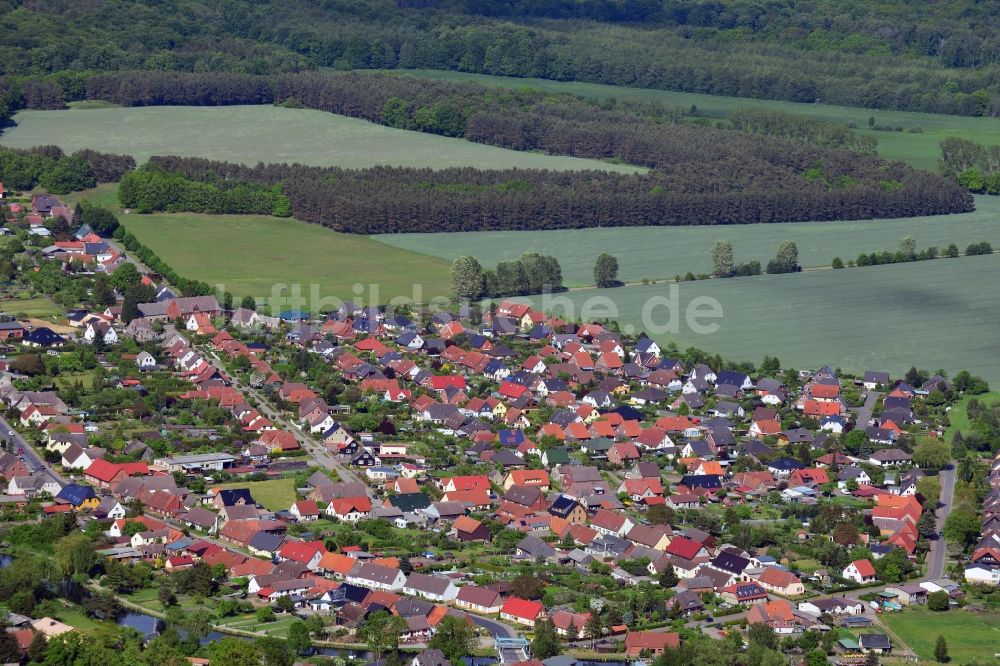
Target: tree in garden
x,y
248,303
546,642
102,293
816,658
668,578
466,278
871,659
298,638
381,631
966,469
125,276
763,635
285,604
165,593
723,261
455,637
274,651
10,651
938,601
660,514
38,648
235,652
593,630
941,650
605,270
962,526
527,587
265,614
932,454
929,488
927,525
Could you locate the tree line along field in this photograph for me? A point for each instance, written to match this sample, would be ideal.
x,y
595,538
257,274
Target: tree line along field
x,y
656,253
917,149
936,314
249,254
252,134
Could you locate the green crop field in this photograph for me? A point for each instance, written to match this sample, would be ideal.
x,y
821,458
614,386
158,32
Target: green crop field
x,y
251,255
663,252
969,635
933,314
920,150
252,134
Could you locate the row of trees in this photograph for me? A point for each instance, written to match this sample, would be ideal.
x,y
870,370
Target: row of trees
x,y
148,190
396,199
57,172
786,260
908,252
531,274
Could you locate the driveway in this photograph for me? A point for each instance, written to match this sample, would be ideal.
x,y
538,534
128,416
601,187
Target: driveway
x,y
865,410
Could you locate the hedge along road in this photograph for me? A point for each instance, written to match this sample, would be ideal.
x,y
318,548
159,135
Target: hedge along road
x,y
657,253
932,314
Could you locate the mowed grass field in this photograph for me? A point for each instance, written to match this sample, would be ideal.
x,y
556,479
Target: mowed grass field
x,y
252,134
920,150
663,252
259,256
275,494
934,314
969,635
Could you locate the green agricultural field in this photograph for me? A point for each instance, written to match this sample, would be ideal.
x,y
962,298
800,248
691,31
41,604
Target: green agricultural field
x,y
252,134
250,255
274,494
663,252
969,635
920,150
934,314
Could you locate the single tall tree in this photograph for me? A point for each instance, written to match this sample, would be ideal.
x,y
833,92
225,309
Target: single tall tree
x,y
466,278
941,650
546,642
723,263
605,270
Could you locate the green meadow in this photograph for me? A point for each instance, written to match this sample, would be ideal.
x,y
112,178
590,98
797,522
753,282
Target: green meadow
x,y
270,134
252,255
919,149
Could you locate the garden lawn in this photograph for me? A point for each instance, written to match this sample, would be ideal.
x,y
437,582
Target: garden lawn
x,y
252,134
958,417
273,259
41,307
104,195
919,149
657,253
933,314
274,494
969,635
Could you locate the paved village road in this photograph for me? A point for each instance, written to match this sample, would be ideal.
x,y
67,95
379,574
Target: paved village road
x,y
939,547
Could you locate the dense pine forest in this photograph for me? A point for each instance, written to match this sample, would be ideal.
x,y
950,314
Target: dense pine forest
x,y
390,200
941,57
